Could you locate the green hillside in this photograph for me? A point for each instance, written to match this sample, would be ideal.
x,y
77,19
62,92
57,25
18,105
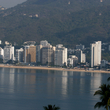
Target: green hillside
x,y
58,21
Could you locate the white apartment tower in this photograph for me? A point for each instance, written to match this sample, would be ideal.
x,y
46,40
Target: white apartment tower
x,y
1,53
8,53
83,57
0,42
96,54
60,55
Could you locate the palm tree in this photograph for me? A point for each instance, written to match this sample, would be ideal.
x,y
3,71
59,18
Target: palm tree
x,y
108,79
104,93
108,103
50,107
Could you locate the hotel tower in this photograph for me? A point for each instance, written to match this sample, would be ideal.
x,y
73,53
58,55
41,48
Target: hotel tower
x,y
96,54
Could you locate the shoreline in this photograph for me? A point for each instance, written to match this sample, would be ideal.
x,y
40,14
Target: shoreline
x,y
52,68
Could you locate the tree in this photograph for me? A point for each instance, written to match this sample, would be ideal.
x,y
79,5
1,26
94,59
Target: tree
x,y
108,79
50,107
104,93
108,103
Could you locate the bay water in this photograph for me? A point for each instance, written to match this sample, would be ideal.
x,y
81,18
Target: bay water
x,y
29,89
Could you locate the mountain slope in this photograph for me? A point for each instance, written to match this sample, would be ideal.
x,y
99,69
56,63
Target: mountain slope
x,y
58,21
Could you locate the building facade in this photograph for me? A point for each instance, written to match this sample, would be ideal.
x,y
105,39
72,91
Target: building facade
x,y
19,55
47,55
38,54
1,53
44,53
8,53
72,60
60,55
25,53
96,54
30,54
81,56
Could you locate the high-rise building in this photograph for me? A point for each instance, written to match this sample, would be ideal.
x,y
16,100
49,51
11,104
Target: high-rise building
x,y
60,55
19,55
81,56
47,55
30,54
0,42
38,53
25,54
96,54
8,53
1,53
45,45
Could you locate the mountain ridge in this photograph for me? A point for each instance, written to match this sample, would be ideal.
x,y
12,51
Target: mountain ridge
x,y
55,22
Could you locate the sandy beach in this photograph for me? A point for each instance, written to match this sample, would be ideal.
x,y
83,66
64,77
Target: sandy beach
x,y
52,68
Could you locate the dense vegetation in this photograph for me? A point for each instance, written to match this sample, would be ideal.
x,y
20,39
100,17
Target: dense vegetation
x,y
58,21
104,93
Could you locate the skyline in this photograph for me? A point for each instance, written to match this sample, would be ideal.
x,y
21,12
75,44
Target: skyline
x,y
10,3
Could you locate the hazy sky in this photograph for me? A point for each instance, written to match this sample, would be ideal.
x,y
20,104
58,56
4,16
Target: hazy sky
x,y
10,3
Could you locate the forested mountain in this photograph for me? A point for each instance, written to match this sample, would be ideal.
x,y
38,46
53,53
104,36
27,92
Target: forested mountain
x,y
69,22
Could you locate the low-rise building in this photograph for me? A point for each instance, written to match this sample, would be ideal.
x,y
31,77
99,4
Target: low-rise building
x,y
81,47
103,63
72,60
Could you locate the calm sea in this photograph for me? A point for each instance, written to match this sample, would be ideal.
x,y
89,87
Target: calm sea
x,y
26,89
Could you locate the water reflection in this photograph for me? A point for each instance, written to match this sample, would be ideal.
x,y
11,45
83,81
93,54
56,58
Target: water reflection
x,y
63,87
11,81
96,81
64,82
